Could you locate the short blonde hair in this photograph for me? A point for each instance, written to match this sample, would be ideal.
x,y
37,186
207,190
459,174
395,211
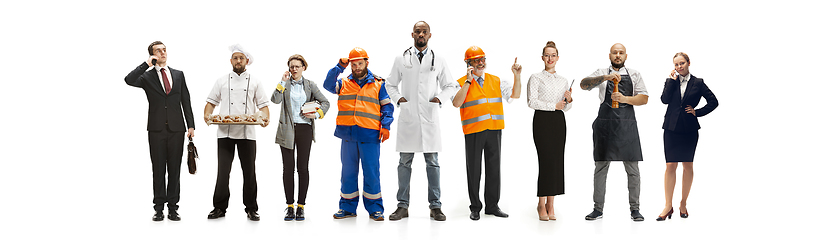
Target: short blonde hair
x,y
299,58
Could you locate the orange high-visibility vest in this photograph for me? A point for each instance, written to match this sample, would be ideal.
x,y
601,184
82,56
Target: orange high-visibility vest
x,y
482,109
359,105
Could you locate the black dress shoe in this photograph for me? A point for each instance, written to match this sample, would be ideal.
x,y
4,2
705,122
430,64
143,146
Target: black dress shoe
x,y
158,216
253,216
475,215
290,214
497,213
173,215
299,214
437,214
216,213
400,213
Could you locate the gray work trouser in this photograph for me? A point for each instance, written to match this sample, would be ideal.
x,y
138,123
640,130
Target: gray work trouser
x,y
633,183
404,178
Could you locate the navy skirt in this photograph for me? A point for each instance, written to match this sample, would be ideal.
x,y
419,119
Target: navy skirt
x,y
680,146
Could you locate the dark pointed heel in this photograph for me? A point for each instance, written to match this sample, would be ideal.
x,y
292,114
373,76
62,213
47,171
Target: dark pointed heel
x,y
667,216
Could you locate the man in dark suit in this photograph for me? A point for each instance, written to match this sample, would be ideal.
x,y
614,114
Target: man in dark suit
x,y
168,96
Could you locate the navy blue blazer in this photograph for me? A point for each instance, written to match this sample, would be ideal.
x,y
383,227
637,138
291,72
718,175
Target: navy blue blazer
x,y
165,111
676,119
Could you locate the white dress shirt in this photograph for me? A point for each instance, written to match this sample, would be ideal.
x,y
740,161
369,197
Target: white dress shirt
x,y
160,77
235,94
546,89
683,83
638,83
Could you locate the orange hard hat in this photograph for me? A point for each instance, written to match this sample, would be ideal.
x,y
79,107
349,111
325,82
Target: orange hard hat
x,y
473,53
358,53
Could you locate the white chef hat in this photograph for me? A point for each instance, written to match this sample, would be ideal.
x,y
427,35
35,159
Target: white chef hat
x,y
238,48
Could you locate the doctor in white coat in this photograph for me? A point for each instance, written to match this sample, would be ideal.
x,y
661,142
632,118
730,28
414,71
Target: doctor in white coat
x,y
421,81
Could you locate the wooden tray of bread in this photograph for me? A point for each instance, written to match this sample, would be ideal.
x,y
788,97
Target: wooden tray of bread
x,y
235,120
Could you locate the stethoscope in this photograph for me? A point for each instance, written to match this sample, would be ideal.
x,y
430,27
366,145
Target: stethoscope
x,y
407,59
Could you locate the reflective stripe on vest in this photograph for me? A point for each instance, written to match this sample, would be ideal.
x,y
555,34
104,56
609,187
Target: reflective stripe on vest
x,y
480,101
482,108
482,118
359,105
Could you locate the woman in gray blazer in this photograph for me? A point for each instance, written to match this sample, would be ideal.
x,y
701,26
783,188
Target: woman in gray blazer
x,y
297,130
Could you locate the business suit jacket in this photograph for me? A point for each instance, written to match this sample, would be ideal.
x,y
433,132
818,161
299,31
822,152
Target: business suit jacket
x,y
165,111
676,119
286,128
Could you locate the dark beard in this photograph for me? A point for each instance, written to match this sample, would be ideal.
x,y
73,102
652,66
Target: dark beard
x,y
360,76
617,65
239,70
420,44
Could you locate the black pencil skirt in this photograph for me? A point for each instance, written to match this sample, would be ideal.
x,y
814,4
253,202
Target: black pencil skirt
x,y
549,129
680,146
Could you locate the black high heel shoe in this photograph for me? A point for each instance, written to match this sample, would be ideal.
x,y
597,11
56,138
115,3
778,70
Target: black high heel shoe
x,y
668,216
684,215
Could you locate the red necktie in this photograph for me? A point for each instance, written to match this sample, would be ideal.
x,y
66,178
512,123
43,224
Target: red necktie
x,y
166,85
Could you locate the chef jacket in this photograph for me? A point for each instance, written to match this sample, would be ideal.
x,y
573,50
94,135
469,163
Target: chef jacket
x,y
235,94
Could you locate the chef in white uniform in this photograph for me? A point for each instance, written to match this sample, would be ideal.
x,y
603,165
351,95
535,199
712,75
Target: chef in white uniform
x,y
237,93
421,81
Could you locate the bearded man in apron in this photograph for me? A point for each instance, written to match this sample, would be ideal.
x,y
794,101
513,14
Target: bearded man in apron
x,y
614,133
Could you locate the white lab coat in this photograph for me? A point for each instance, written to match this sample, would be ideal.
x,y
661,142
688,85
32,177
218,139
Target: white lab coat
x,y
418,128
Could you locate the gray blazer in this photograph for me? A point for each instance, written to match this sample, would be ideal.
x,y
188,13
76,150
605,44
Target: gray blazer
x,y
286,128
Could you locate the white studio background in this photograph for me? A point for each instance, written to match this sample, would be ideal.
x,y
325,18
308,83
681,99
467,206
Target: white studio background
x,y
79,163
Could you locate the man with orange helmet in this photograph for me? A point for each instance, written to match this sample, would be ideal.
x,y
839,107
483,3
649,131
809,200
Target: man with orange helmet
x,y
482,119
364,120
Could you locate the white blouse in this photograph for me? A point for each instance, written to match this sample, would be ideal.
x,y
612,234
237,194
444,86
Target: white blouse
x,y
545,90
683,83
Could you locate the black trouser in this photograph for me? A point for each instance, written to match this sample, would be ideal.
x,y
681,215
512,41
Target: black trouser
x,y
303,144
247,158
489,142
166,149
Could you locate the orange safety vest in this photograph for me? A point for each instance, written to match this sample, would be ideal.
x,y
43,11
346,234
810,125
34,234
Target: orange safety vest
x,y
359,105
482,109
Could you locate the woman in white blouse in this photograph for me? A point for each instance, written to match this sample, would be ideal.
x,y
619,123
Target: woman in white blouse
x,y
550,97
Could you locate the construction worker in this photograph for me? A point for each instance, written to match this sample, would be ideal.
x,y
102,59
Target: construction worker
x,y
364,119
482,119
